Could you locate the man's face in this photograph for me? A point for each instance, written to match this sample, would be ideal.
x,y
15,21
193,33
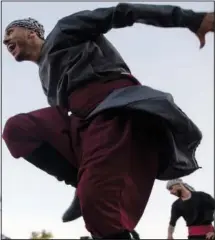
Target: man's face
x,y
176,190
17,40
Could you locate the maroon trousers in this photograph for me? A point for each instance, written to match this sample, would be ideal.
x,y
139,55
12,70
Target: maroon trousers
x,y
115,155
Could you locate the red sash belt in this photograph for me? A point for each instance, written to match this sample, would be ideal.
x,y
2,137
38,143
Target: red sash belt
x,y
200,230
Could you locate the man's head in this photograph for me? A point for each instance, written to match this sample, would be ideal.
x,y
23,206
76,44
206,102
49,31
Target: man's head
x,y
177,187
24,39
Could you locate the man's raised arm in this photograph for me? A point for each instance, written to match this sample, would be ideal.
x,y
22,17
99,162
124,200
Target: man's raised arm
x,y
86,24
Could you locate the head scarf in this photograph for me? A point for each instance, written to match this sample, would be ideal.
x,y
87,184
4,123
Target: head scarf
x,y
179,181
28,23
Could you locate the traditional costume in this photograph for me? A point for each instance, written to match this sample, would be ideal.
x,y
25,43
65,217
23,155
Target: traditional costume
x,y
121,135
197,211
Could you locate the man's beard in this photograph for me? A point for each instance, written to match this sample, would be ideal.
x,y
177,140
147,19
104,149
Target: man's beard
x,y
21,57
23,54
179,193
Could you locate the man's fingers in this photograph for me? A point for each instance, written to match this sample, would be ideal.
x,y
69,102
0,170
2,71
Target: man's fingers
x,y
201,40
210,236
210,21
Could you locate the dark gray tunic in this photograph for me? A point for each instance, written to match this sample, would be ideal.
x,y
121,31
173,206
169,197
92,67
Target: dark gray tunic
x,y
76,52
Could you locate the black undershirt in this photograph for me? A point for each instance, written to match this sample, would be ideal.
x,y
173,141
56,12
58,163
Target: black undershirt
x,y
198,210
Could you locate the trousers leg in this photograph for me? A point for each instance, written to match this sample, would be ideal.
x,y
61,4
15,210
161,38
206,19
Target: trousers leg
x,y
117,172
39,137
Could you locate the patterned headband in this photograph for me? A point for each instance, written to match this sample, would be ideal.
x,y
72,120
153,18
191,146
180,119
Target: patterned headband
x,y
179,181
28,23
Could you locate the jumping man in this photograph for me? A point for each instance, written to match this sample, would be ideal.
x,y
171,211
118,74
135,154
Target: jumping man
x,y
121,135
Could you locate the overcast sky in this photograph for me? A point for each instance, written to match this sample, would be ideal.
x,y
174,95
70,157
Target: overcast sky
x,y
167,59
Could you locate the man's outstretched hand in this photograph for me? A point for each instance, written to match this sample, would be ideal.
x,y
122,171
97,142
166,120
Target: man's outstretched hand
x,y
207,25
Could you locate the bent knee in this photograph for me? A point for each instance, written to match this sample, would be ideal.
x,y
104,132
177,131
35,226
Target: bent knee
x,y
13,125
18,133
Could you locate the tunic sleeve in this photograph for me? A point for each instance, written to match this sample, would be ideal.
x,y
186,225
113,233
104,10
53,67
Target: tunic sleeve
x,y
209,199
44,90
175,215
86,24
